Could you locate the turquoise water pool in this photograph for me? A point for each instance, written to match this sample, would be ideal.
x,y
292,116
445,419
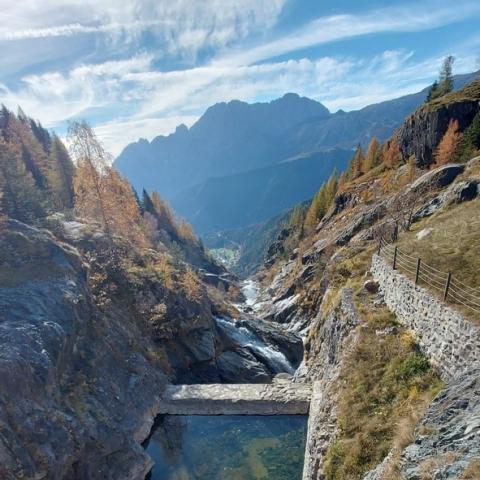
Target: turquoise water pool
x,y
228,447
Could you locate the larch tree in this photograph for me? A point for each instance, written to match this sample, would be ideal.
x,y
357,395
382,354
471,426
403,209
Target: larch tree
x,y
371,159
447,149
20,198
391,154
356,164
100,191
61,173
90,186
321,202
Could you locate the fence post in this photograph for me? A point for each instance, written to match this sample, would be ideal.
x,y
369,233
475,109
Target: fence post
x,y
379,245
447,286
395,258
417,272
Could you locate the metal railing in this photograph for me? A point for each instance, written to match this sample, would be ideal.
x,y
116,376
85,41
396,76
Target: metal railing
x,y
451,289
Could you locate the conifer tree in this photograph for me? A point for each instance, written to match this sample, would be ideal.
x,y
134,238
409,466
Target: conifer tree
x,y
321,202
20,198
91,195
356,164
445,82
470,142
371,159
432,92
447,149
296,220
61,172
100,191
391,154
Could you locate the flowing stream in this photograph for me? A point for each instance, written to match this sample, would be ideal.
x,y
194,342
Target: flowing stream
x,y
250,290
248,339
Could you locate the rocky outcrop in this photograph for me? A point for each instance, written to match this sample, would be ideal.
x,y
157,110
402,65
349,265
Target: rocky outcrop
x,y
78,389
423,130
447,338
438,178
448,437
289,344
331,338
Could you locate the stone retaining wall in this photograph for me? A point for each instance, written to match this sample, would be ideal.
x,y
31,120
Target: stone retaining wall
x,y
451,342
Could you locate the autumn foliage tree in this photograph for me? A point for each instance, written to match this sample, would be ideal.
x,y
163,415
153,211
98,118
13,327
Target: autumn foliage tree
x,y
321,202
356,164
447,149
20,198
100,191
391,154
38,164
372,156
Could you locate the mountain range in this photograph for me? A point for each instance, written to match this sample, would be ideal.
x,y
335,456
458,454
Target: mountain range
x,y
241,163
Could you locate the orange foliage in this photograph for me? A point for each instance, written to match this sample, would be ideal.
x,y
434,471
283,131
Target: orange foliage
x,y
391,154
448,146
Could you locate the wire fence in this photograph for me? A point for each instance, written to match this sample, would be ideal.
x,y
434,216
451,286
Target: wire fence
x,y
451,289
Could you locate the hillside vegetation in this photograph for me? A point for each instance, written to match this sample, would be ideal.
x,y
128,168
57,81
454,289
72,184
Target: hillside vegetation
x,y
380,381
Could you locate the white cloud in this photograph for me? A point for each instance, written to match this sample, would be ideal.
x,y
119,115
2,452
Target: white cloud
x,y
184,26
410,18
54,97
146,102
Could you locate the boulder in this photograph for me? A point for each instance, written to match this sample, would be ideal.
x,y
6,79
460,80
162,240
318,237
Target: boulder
x,y
438,178
240,366
464,191
457,192
371,286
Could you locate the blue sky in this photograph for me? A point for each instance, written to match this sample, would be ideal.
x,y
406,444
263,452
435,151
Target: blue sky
x,y
139,68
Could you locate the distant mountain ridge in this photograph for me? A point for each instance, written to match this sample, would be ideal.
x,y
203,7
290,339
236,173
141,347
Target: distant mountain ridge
x,y
233,138
229,138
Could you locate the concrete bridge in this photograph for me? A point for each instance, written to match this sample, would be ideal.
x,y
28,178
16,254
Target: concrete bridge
x,y
282,398
279,398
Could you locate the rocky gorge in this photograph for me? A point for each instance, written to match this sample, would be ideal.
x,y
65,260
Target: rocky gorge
x,y
105,320
93,372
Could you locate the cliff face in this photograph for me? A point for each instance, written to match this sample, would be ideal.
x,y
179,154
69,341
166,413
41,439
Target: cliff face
x,y
423,130
77,387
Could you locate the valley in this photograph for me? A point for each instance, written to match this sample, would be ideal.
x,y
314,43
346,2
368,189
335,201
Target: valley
x,y
276,292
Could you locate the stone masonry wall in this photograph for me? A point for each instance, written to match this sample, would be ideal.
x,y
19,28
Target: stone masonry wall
x,y
451,342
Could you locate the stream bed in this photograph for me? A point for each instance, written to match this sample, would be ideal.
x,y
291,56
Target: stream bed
x,y
228,447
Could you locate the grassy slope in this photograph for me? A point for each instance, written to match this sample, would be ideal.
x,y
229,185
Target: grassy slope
x,y
386,383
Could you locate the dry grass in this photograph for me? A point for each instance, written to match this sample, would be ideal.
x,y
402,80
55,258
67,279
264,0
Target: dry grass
x,y
453,245
472,472
469,92
427,467
387,383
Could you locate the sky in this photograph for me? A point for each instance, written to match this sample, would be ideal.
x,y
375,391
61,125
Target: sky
x,y
137,69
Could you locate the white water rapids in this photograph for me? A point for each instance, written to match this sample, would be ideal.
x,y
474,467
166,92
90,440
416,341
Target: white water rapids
x,y
248,339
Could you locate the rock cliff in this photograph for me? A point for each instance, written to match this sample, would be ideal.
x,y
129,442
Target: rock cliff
x,y
423,130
